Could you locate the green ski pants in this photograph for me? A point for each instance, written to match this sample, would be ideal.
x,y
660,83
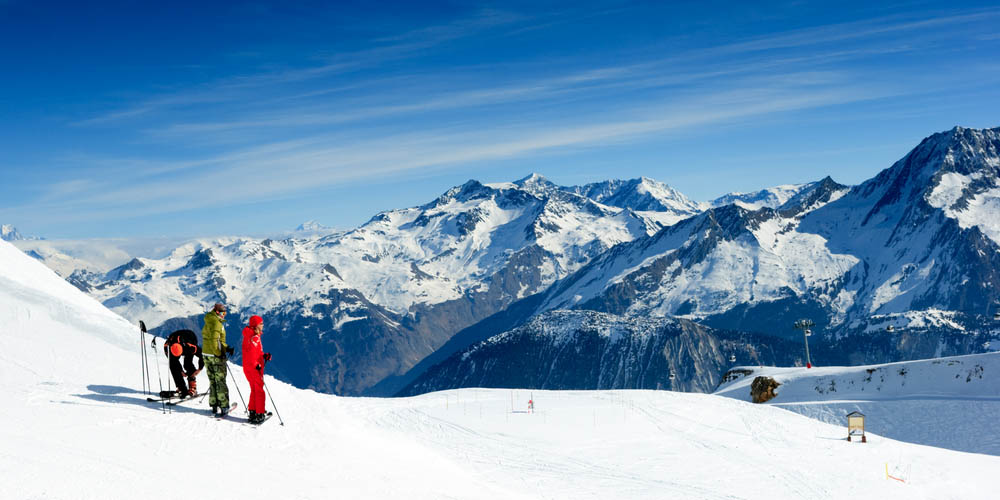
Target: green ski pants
x,y
218,391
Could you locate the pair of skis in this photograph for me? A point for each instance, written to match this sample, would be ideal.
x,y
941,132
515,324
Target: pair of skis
x,y
173,400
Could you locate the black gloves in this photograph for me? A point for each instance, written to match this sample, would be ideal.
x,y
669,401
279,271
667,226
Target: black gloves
x,y
267,356
258,367
229,350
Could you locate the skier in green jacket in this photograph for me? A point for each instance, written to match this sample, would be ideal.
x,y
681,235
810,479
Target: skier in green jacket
x,y
215,350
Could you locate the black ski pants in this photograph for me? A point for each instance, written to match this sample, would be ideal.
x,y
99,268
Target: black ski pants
x,y
178,373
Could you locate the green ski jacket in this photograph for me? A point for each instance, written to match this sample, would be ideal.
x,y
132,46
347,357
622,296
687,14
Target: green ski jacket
x,y
213,335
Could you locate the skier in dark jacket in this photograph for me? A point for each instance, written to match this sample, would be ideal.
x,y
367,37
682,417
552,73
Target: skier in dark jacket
x,y
184,343
254,359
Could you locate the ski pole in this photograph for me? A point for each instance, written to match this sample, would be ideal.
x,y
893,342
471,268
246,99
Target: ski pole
x,y
145,358
170,375
142,359
159,378
272,400
245,409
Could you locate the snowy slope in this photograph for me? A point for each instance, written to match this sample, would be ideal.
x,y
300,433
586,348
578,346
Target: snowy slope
x,y
948,402
77,426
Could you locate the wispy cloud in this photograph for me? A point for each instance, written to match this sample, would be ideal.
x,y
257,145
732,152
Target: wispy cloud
x,y
382,50
852,31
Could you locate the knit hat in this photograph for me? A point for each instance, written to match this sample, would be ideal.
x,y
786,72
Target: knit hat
x,y
255,321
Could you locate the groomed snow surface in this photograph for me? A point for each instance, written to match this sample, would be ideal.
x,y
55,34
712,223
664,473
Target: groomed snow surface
x,y
75,424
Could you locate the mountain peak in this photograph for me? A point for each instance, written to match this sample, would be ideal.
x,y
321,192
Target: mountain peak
x,y
962,161
535,184
312,226
472,189
642,194
533,178
9,233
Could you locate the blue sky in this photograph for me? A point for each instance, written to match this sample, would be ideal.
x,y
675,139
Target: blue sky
x,y
123,119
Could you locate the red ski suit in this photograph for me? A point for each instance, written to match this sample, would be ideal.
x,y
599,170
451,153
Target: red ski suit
x,y
253,356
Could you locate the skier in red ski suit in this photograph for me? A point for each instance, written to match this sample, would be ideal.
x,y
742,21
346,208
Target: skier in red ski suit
x,y
254,359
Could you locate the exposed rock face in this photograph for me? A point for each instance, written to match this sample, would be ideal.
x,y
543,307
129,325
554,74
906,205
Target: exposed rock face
x,y
762,389
592,350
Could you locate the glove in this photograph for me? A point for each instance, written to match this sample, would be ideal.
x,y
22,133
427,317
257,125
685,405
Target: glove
x,y
258,367
267,356
230,350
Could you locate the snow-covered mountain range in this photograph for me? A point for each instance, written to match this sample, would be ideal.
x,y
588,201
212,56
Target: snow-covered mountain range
x,y
356,307
371,309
